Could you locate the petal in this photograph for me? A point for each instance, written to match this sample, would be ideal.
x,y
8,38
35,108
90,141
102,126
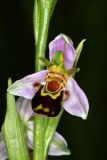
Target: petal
x,y
76,103
24,108
58,146
3,154
64,44
24,87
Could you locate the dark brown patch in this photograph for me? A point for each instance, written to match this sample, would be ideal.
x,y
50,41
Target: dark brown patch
x,y
36,84
66,95
53,105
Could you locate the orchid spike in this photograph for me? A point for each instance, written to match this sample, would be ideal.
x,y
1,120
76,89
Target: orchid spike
x,y
54,88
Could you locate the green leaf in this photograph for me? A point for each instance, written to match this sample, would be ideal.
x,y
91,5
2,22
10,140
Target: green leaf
x,y
13,131
52,124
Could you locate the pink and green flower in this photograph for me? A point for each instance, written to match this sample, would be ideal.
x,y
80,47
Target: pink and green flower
x,y
52,89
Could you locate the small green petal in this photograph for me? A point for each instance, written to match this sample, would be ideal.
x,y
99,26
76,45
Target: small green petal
x,y
45,61
78,51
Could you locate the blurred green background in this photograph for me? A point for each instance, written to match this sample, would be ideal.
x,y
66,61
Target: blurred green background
x,y
78,19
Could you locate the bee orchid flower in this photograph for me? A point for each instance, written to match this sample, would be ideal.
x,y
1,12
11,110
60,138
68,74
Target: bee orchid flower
x,y
58,145
54,88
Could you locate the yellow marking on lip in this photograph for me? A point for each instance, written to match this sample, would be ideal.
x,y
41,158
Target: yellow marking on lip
x,y
46,109
38,108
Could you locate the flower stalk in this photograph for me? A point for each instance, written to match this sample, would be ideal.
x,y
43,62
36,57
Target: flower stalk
x,y
43,10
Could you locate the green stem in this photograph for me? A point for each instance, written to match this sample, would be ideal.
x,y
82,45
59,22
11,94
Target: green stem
x,y
36,21
44,20
39,132
43,10
42,14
